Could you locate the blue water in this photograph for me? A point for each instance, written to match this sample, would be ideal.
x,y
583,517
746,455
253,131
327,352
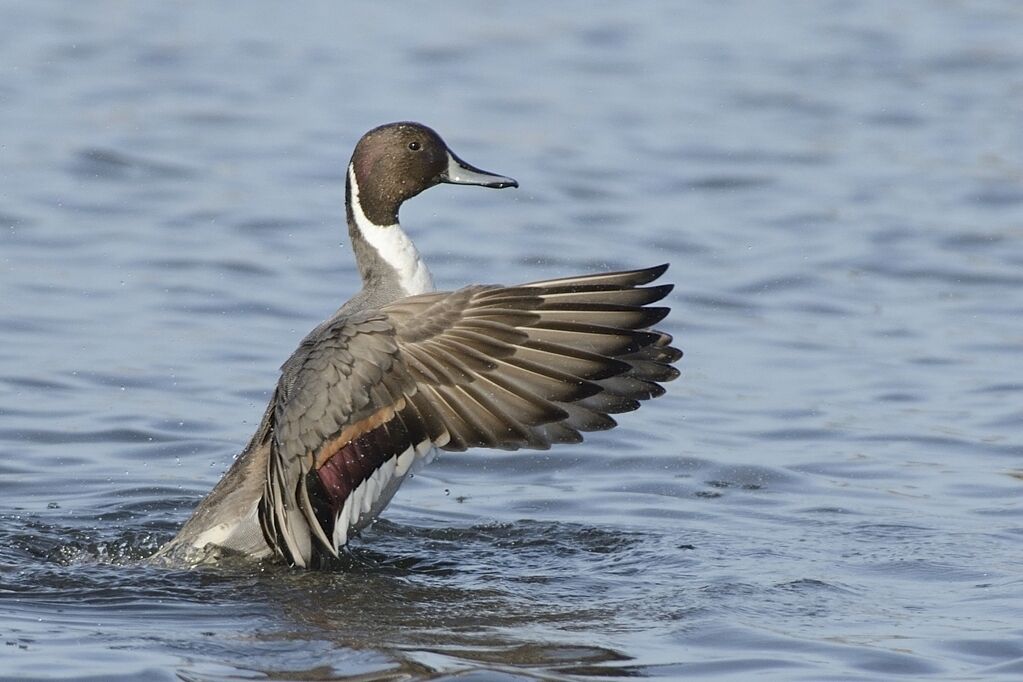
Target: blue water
x,y
832,491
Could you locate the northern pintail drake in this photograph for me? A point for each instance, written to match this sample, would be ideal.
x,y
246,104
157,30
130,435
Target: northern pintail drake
x,y
401,370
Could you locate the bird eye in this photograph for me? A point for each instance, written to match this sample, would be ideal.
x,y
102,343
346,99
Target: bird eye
x,y
414,146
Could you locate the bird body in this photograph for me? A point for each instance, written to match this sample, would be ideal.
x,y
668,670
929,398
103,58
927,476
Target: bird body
x,y
401,370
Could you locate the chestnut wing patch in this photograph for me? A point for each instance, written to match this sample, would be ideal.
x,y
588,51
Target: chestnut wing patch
x,y
343,421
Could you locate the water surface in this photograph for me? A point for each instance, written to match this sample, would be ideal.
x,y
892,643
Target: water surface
x,y
831,491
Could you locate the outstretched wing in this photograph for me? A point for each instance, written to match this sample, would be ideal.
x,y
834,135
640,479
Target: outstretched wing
x,y
536,364
489,366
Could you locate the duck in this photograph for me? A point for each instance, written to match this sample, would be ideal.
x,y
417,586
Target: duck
x,y
401,371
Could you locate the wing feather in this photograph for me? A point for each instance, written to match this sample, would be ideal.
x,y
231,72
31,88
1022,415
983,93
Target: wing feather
x,y
534,364
501,367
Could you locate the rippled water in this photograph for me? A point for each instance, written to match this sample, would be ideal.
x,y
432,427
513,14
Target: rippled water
x,y
832,491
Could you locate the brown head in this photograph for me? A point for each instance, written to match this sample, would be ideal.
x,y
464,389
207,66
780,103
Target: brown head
x,y
397,161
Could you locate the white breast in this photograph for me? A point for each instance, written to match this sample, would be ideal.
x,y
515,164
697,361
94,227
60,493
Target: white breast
x,y
393,245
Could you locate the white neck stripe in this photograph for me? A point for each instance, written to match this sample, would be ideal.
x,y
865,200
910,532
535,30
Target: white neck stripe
x,y
393,245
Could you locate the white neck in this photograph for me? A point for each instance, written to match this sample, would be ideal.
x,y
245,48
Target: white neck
x,y
393,245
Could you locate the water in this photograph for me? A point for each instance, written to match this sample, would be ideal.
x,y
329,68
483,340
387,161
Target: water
x,y
832,491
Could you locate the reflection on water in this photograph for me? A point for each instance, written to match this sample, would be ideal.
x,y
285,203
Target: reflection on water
x,y
830,491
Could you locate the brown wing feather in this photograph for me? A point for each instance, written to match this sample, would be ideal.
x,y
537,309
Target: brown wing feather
x,y
344,409
500,367
534,364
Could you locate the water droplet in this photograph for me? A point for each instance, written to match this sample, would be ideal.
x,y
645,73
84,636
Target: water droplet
x,y
446,491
